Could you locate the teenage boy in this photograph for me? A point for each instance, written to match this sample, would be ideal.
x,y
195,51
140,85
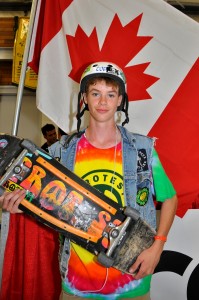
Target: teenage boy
x,y
126,167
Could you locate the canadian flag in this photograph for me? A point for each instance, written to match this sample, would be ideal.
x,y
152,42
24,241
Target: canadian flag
x,y
158,48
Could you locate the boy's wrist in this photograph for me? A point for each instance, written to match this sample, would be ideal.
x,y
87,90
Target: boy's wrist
x,y
162,238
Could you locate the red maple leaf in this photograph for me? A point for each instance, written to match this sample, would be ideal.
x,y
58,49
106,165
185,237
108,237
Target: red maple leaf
x,y
120,46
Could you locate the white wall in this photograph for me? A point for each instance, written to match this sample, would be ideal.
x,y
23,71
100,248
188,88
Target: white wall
x,y
30,118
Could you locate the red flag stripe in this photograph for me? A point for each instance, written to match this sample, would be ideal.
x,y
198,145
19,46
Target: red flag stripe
x,y
177,131
48,25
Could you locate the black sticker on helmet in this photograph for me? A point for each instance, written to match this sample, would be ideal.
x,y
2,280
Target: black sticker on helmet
x,y
142,161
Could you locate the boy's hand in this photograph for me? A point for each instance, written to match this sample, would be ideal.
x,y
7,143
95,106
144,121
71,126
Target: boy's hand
x,y
10,201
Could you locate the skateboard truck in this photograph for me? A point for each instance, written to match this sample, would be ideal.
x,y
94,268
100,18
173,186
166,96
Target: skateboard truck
x,y
116,236
26,144
13,168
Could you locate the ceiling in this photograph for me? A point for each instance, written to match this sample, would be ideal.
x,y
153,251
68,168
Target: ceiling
x,y
15,5
187,6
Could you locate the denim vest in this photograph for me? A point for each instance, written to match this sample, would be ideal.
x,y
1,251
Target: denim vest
x,y
136,159
55,149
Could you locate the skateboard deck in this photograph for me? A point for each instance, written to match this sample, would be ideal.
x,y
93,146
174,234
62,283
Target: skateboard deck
x,y
60,199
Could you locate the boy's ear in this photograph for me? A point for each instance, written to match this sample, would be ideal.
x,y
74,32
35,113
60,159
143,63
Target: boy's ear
x,y
119,100
84,98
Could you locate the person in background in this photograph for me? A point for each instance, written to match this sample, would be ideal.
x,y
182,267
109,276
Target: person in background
x,y
49,133
55,149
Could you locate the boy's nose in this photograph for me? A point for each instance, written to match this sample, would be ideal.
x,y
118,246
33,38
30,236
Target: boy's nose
x,y
103,99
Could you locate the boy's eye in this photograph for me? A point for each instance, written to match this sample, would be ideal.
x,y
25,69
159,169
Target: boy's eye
x,y
111,95
94,94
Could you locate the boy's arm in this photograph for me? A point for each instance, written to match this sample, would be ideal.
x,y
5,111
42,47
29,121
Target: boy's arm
x,y
149,258
167,214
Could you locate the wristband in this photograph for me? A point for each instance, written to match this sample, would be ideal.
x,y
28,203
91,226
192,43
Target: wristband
x,y
160,237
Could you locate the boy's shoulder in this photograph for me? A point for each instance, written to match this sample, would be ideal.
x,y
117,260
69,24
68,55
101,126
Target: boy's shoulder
x,y
135,137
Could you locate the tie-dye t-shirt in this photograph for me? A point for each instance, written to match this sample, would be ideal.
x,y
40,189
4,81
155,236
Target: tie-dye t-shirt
x,y
102,168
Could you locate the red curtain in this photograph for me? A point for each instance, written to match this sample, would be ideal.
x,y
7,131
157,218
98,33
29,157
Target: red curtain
x,y
30,269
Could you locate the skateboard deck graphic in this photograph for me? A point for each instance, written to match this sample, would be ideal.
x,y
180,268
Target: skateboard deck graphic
x,y
60,199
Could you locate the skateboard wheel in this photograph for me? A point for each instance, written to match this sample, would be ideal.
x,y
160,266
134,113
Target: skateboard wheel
x,y
132,213
105,260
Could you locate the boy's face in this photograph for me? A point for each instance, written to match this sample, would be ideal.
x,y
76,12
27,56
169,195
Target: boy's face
x,y
102,100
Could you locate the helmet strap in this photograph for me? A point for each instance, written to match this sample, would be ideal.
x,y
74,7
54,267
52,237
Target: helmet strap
x,y
124,108
79,111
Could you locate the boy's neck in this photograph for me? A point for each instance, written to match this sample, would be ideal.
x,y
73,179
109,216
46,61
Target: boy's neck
x,y
103,137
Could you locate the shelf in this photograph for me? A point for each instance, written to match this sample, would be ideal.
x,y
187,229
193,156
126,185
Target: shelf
x,y
6,53
15,6
11,90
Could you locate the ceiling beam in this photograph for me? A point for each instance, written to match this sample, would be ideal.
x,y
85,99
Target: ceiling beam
x,y
185,7
15,6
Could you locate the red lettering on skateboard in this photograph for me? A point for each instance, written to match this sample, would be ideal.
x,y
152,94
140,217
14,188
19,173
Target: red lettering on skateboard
x,y
55,192
33,182
97,227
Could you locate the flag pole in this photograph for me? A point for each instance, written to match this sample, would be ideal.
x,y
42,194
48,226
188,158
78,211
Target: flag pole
x,y
24,67
5,215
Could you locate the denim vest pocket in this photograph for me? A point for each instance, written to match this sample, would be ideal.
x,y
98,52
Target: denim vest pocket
x,y
144,198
